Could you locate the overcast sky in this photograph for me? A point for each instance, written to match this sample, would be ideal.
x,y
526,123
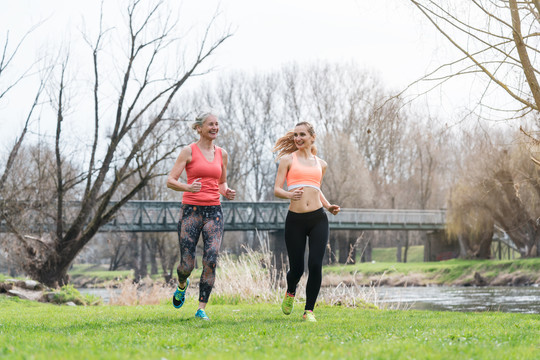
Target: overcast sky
x,y
389,37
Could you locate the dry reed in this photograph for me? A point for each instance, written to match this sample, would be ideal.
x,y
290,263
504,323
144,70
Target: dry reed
x,y
251,278
145,292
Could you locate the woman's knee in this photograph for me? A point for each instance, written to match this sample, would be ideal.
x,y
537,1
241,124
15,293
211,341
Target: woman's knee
x,y
185,268
296,273
209,266
315,266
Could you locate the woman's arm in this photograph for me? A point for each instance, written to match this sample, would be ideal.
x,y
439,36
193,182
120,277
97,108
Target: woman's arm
x,y
281,175
223,187
333,209
172,180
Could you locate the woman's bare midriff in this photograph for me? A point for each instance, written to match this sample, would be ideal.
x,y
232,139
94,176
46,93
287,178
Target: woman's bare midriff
x,y
310,201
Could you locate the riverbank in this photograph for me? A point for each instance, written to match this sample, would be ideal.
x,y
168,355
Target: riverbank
x,y
518,272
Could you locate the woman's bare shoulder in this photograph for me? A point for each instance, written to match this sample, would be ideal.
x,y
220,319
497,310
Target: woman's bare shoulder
x,y
185,153
322,162
285,160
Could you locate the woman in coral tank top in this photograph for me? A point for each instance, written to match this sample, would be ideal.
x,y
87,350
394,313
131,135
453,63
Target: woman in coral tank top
x,y
306,219
206,170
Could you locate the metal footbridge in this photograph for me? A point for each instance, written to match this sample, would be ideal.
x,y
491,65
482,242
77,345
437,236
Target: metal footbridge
x,y
163,216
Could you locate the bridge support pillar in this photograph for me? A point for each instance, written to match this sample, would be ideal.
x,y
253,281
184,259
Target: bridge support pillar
x,y
278,248
437,247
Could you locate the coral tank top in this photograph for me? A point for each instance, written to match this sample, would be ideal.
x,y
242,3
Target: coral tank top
x,y
209,172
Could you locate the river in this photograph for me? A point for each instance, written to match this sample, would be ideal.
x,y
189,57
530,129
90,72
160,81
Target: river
x,y
524,299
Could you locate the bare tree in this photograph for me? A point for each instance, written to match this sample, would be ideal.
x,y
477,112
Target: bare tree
x,y
8,84
144,100
11,80
497,39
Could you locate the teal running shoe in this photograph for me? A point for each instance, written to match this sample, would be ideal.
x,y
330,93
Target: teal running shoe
x,y
201,314
287,304
180,296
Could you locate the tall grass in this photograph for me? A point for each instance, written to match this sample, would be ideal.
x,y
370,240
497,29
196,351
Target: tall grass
x,y
253,277
145,292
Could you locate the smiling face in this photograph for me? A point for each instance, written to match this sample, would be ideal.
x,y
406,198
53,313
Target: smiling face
x,y
303,139
209,128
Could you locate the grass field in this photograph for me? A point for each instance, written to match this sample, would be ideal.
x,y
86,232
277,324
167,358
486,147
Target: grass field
x,y
247,322
415,254
31,330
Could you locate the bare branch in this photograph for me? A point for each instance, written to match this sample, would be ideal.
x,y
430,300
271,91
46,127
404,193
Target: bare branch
x,y
477,63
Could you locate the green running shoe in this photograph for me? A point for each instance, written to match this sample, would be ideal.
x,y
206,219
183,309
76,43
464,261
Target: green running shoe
x,y
201,314
309,316
287,304
180,296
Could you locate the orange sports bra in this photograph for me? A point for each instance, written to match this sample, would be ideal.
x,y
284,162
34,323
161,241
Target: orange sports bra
x,y
301,175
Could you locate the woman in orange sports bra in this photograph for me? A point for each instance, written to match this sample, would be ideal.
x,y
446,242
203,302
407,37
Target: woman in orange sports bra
x,y
306,219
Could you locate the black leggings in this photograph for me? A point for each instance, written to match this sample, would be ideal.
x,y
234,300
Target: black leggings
x,y
298,227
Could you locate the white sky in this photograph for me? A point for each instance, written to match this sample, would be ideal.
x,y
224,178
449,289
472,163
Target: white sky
x,y
387,36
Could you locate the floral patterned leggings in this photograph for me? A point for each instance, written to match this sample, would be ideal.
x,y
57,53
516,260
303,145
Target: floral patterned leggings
x,y
196,219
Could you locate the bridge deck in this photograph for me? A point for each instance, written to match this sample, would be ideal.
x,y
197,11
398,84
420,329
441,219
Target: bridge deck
x,y
162,216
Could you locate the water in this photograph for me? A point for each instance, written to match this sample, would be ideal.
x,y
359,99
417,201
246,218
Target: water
x,y
101,292
524,299
447,298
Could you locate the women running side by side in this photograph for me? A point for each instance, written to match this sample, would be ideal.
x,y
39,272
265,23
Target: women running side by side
x,y
306,220
206,170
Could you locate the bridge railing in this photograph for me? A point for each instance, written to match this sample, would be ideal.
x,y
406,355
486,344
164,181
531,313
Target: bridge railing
x,y
152,216
162,216
388,219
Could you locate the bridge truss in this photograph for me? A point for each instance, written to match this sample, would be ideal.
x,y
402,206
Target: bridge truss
x,y
162,216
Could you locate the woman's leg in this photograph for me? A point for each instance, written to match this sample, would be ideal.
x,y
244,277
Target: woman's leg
x,y
212,232
318,238
295,240
189,230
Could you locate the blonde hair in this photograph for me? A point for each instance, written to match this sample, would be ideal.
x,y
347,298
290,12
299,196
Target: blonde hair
x,y
200,119
285,144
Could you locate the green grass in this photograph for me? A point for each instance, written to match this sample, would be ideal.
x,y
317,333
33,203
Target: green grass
x,y
68,293
443,272
31,330
414,254
98,275
98,272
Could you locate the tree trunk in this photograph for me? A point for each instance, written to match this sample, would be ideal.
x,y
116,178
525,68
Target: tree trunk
x,y
152,253
53,273
143,262
278,248
343,245
398,249
406,250
331,250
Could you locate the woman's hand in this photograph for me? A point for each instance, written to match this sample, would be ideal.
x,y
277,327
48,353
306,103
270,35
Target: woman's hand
x,y
334,209
230,194
297,194
195,186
